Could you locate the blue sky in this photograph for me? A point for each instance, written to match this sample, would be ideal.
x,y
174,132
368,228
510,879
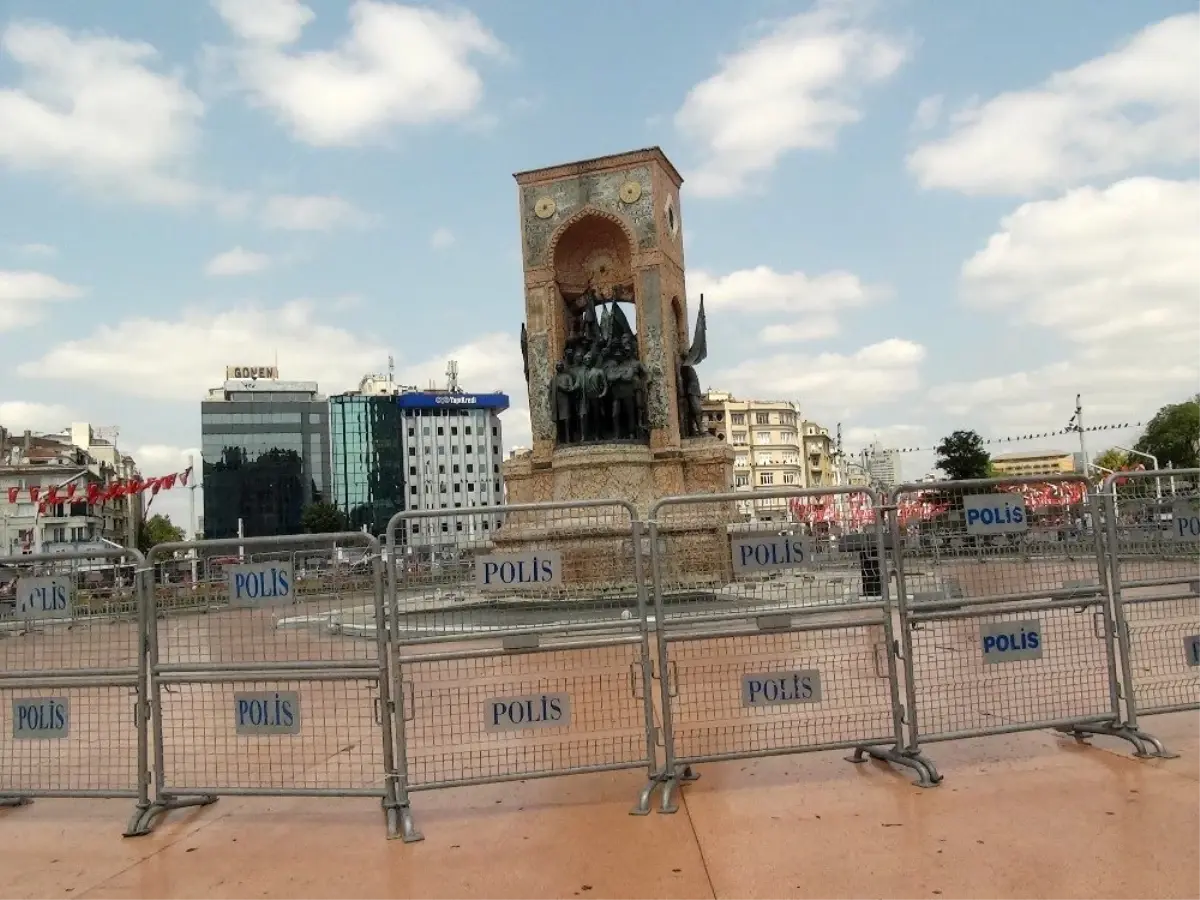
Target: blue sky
x,y
908,216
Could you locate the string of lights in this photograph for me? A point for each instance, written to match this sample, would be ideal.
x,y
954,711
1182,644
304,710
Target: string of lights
x,y
1071,428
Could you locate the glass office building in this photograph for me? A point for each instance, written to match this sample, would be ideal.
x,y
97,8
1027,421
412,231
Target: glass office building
x,y
265,444
368,459
396,449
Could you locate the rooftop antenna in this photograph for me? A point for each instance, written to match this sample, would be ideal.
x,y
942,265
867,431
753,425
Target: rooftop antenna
x,y
452,376
391,368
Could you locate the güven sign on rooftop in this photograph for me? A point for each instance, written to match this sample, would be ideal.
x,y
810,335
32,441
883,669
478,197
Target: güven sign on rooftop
x,y
232,372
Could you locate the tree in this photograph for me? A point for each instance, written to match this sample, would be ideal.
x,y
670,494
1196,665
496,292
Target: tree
x,y
1173,435
322,518
156,530
1112,459
962,456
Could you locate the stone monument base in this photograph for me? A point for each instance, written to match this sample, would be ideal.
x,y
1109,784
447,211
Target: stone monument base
x,y
595,543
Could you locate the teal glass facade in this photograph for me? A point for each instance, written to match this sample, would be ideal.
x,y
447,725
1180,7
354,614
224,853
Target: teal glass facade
x,y
368,459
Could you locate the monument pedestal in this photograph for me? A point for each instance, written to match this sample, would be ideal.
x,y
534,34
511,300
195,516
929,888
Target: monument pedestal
x,y
595,543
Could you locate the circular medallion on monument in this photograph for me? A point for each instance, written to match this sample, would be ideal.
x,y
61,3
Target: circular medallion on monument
x,y
545,208
630,192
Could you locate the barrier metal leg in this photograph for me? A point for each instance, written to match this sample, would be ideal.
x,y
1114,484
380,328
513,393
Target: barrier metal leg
x,y
927,774
1145,746
13,802
144,818
400,823
673,784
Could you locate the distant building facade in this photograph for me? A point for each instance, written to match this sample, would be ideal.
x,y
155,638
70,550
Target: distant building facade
x,y
61,466
397,448
265,447
882,466
1036,462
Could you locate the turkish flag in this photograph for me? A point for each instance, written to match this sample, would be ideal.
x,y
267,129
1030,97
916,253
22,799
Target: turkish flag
x,y
93,493
34,493
168,481
155,484
70,491
12,494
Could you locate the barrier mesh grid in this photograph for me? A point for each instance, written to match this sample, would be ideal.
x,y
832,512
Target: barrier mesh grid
x,y
338,745
97,753
452,732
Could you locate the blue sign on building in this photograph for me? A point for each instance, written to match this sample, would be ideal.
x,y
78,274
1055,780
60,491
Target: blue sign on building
x,y
443,400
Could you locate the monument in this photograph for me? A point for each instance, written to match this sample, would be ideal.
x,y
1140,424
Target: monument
x,y
614,404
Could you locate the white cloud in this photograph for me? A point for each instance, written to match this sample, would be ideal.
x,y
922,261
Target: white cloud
x,y
37,249
829,386
95,107
269,22
237,261
1115,274
809,305
398,65
23,293
1135,107
311,213
442,239
19,416
795,88
180,359
163,459
928,113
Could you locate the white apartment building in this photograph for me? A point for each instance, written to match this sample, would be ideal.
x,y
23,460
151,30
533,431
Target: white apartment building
x,y
66,462
765,436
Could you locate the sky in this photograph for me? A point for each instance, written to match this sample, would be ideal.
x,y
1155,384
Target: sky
x,y
907,217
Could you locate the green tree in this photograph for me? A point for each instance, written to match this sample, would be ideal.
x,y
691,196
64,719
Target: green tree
x,y
322,518
1113,459
156,530
962,456
1173,435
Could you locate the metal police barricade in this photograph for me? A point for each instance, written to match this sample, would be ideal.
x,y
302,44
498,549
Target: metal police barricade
x,y
774,630
1002,592
1152,523
521,645
266,679
72,678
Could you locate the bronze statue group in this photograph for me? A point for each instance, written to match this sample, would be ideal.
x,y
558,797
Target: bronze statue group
x,y
599,388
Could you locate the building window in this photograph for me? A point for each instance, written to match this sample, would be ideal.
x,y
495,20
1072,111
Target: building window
x,y
425,430
470,467
456,468
741,480
496,468
495,431
766,478
467,431
762,418
453,430
441,431
416,528
445,527
789,477
412,470
470,487
413,490
737,418
739,438
763,437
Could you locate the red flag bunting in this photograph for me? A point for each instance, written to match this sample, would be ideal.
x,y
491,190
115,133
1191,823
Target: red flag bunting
x,y
12,494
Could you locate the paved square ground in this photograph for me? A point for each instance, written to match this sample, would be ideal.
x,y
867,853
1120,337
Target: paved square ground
x,y
1031,815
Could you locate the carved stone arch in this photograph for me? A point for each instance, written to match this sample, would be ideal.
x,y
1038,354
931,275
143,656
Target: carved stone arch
x,y
592,248
587,212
